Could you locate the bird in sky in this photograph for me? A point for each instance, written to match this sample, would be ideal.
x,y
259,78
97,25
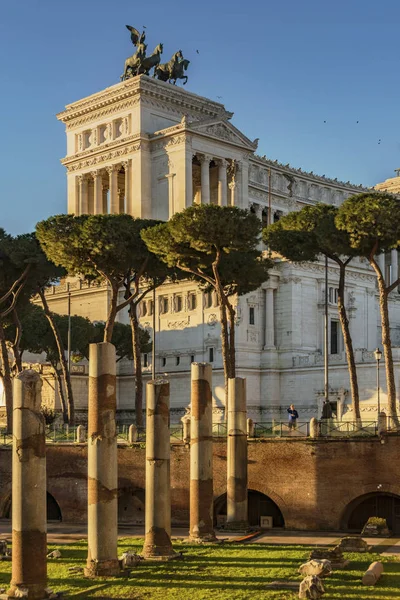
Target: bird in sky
x,y
197,52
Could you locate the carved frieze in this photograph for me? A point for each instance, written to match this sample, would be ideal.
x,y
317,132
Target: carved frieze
x,y
101,158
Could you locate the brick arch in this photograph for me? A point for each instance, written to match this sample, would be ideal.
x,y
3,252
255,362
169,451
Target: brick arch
x,y
220,501
345,504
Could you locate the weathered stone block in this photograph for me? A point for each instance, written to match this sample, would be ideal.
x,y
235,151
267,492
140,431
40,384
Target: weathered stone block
x,y
353,544
334,555
320,567
373,573
311,587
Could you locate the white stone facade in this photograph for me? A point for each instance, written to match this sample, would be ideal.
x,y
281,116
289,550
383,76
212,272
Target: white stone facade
x,y
151,149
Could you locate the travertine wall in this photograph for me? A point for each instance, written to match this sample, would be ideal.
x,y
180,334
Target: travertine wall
x,y
312,482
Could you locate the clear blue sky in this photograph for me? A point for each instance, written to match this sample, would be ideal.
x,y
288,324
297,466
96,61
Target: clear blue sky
x,y
283,68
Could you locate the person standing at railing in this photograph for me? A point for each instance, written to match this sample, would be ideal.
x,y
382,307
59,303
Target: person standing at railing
x,y
293,416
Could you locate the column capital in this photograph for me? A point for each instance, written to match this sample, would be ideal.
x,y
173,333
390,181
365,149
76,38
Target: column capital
x,y
112,168
204,158
125,164
221,162
83,177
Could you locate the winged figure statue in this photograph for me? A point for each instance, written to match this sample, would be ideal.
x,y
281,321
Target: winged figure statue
x,y
134,62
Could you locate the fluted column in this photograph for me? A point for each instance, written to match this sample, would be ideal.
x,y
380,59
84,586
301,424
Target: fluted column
x,y
114,196
83,194
98,192
222,183
127,170
395,265
205,178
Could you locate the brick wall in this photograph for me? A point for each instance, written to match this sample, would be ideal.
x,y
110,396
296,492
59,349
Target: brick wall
x,y
312,482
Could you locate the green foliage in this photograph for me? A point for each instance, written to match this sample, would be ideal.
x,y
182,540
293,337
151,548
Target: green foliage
x,y
121,338
202,234
304,235
372,221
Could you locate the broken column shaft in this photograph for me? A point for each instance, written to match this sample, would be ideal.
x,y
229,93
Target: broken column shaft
x,y
201,455
237,514
102,463
29,567
157,543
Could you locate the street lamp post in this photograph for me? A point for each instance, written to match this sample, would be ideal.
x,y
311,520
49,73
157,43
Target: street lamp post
x,y
378,356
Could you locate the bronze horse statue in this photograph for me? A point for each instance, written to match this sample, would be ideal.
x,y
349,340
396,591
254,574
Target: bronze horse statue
x,y
173,70
151,61
140,64
178,72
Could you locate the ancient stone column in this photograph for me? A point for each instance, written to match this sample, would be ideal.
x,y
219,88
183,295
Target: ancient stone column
x,y
250,428
102,463
29,570
314,428
236,514
201,456
269,318
186,428
132,434
80,434
157,543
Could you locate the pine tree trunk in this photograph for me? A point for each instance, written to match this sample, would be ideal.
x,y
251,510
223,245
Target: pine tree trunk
x,y
7,382
137,359
61,394
225,348
112,313
232,349
61,355
348,343
386,342
17,341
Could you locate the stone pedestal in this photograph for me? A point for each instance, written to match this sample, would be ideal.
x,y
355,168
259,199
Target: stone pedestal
x,y
132,434
157,543
201,456
237,517
29,546
102,463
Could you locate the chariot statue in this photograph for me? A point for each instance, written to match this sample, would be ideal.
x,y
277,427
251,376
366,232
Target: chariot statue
x,y
139,63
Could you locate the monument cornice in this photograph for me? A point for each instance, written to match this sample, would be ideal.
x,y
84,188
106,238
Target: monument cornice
x,y
104,155
128,93
103,147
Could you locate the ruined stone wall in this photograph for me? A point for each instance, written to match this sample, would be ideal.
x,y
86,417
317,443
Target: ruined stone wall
x,y
312,482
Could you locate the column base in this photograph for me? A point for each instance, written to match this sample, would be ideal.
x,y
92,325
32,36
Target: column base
x,y
237,526
160,554
102,568
207,538
157,545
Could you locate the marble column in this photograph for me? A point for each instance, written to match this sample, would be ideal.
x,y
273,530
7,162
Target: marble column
x,y
395,265
157,542
98,192
102,557
205,178
29,546
114,195
234,192
269,318
222,182
83,194
127,170
201,455
236,512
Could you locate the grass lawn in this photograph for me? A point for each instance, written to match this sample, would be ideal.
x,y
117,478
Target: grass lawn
x,y
227,571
